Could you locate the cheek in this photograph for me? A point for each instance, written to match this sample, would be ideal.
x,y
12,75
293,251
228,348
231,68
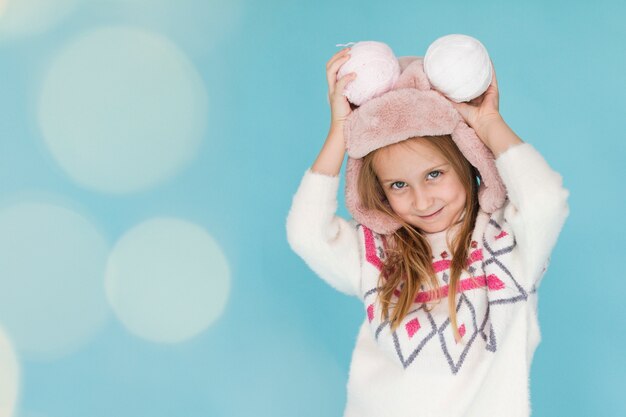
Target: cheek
x,y
397,204
455,191
459,192
461,200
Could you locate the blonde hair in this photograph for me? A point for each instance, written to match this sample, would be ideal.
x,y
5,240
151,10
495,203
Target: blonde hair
x,y
408,261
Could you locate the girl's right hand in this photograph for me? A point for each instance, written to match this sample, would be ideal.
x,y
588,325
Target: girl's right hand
x,y
331,156
339,104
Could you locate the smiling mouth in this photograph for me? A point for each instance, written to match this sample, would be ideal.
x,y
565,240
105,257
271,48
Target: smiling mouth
x,y
430,216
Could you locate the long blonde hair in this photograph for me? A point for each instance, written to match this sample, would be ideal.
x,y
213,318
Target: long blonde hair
x,y
408,261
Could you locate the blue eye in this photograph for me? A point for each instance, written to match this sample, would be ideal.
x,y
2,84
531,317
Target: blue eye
x,y
401,184
434,174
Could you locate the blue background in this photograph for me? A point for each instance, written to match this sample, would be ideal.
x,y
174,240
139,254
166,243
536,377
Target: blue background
x,y
282,345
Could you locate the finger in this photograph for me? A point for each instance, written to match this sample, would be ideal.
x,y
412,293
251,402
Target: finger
x,y
343,82
337,61
346,79
340,52
493,89
333,69
336,57
494,80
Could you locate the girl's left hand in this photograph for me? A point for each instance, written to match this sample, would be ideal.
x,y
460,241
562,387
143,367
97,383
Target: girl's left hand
x,y
482,110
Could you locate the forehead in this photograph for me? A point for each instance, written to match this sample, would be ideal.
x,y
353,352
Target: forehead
x,y
406,157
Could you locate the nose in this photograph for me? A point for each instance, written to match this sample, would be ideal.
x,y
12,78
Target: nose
x,y
422,200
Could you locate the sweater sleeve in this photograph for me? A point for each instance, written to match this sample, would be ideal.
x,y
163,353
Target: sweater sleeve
x,y
537,206
327,243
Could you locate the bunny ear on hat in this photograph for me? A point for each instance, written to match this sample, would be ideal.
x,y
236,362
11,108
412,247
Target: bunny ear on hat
x,y
491,192
412,109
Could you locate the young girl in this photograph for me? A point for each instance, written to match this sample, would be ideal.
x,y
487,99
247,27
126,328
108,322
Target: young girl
x,y
425,235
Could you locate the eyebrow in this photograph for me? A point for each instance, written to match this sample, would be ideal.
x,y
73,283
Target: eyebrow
x,y
429,170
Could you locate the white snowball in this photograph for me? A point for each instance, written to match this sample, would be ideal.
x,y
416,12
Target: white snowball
x,y
458,66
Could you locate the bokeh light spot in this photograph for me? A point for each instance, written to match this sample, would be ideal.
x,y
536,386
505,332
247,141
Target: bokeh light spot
x,y
9,377
51,278
167,280
122,110
30,17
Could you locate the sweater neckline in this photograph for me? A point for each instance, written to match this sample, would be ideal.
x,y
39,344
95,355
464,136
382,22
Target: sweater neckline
x,y
438,239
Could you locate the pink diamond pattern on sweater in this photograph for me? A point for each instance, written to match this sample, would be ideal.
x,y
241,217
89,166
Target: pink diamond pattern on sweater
x,y
486,264
412,327
507,289
455,352
494,283
462,330
501,235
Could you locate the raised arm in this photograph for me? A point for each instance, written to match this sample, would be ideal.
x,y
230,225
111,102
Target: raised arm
x,y
331,156
538,202
483,115
537,209
326,242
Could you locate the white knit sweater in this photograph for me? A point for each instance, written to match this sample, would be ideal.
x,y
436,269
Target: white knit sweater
x,y
418,369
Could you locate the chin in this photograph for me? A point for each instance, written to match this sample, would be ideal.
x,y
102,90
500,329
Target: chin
x,y
434,229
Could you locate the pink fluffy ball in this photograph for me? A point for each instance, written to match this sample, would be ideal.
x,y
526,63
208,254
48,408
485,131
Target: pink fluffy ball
x,y
377,71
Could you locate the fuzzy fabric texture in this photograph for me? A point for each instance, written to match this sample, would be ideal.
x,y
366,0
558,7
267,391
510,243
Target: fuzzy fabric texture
x,y
419,369
412,109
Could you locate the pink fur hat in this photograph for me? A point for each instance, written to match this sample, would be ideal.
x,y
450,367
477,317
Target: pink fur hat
x,y
412,108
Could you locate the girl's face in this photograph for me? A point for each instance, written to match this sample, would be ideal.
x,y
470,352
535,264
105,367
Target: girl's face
x,y
420,185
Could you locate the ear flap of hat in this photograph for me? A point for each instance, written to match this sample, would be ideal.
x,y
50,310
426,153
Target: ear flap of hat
x,y
377,221
492,192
